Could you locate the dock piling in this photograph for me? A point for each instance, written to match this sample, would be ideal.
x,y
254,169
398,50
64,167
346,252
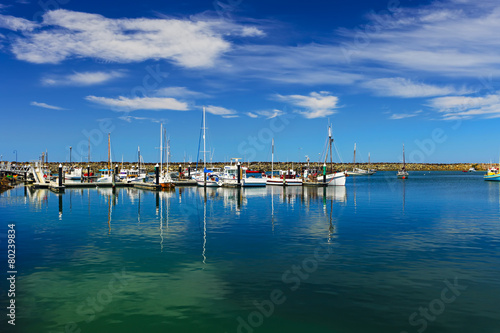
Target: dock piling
x,y
60,175
157,174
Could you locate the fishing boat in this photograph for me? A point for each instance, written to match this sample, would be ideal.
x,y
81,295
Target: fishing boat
x,y
107,175
403,174
284,178
230,175
358,171
336,178
253,178
493,173
73,173
208,178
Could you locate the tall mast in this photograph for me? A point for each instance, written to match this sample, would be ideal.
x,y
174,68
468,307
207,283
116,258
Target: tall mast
x,y
272,160
330,140
161,149
109,153
369,164
139,157
89,150
354,160
204,143
168,153
404,162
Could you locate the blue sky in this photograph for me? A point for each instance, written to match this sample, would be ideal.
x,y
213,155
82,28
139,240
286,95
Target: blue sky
x,y
383,73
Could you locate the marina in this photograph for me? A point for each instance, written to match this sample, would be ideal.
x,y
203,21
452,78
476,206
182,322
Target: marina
x,y
218,252
250,166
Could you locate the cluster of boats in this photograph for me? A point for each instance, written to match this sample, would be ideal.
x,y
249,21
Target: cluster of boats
x,y
237,175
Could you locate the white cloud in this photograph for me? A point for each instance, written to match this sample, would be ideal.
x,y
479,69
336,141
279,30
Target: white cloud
x,y
82,79
129,119
220,111
462,107
16,23
316,104
252,32
441,38
125,104
401,87
397,116
310,64
68,34
265,113
46,106
180,92
252,115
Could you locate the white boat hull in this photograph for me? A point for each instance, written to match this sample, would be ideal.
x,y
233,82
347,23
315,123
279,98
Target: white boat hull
x,y
285,182
105,180
209,183
334,179
254,182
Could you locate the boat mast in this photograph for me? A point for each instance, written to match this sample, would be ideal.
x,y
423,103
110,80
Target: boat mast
x,y
161,149
354,160
168,153
404,162
109,154
272,160
330,140
204,143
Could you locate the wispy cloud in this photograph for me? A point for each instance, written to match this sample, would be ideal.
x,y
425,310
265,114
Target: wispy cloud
x,y
125,104
444,37
266,113
129,119
182,92
220,111
82,79
462,107
315,105
184,42
16,23
46,106
401,87
397,116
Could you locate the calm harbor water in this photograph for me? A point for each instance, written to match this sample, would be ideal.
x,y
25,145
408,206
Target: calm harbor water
x,y
380,255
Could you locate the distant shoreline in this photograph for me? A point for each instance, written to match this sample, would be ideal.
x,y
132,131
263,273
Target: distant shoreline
x,y
266,166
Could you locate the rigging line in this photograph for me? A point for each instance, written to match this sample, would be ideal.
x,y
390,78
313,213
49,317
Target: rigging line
x,y
337,151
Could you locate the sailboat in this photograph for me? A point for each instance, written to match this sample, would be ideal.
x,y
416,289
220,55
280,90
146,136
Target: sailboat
x,y
107,178
358,171
138,175
493,173
334,178
403,174
207,178
285,178
165,179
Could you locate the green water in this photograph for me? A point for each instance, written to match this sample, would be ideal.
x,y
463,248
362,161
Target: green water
x,y
365,258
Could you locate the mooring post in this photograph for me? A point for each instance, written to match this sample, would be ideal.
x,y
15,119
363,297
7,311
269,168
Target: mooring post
x,y
189,171
239,174
88,173
180,171
60,175
157,174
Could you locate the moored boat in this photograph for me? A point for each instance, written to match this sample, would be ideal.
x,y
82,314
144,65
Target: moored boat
x,y
403,174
